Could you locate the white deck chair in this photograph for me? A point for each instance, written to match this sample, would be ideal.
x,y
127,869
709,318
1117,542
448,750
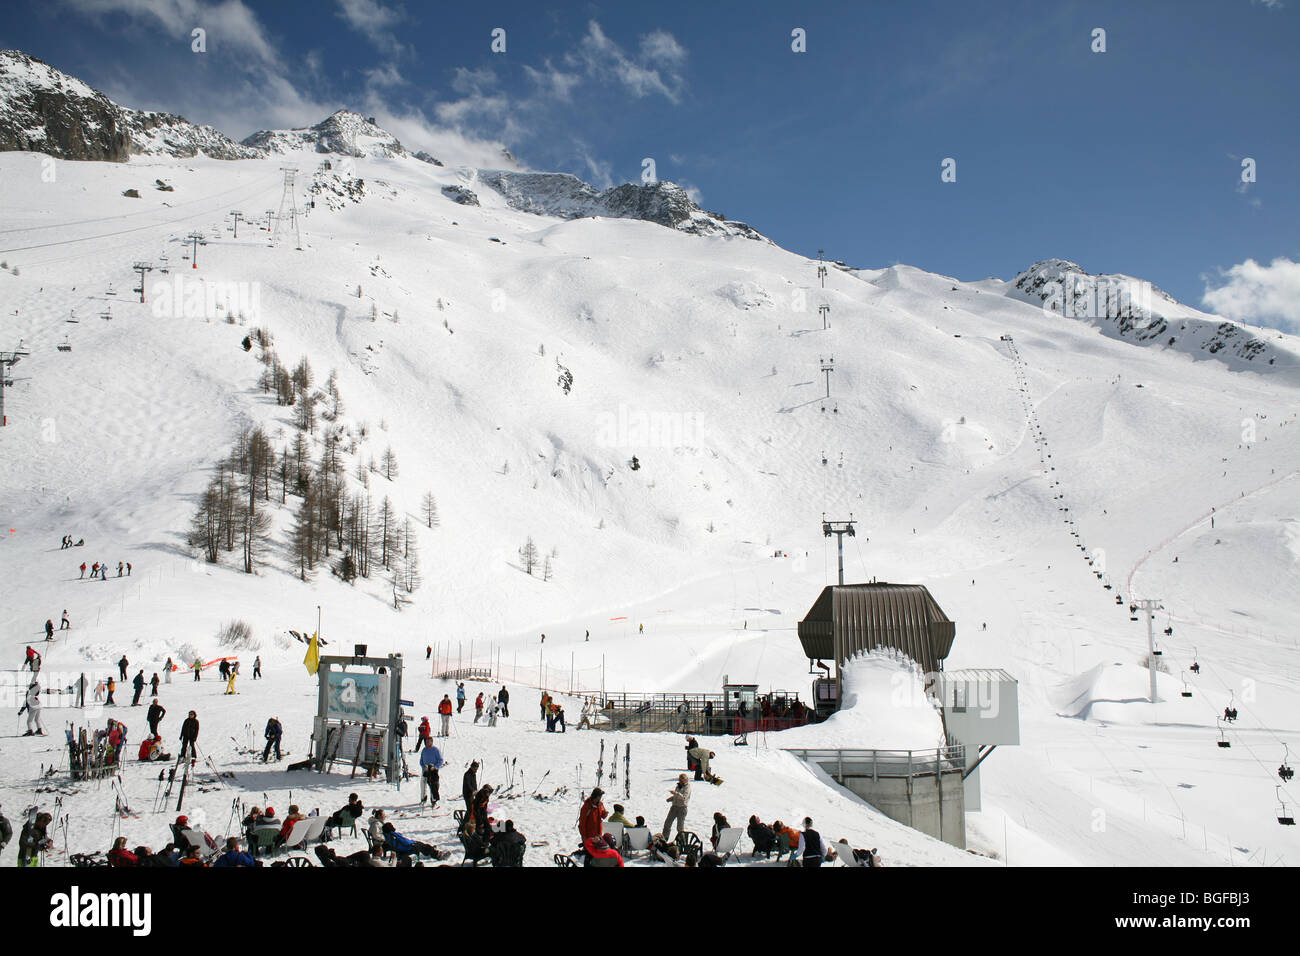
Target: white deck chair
x,y
315,830
297,835
728,840
615,830
845,854
636,839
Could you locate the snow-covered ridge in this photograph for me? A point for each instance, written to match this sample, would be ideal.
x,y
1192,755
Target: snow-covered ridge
x,y
343,132
1137,311
568,197
44,110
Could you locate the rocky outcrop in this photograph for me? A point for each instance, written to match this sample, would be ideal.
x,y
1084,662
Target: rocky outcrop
x,y
568,197
342,132
459,194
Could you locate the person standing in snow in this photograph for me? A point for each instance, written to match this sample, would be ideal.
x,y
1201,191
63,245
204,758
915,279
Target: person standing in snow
x,y
274,731
83,569
167,671
257,667
591,817
154,716
493,707
94,570
425,733
153,685
809,851
65,624
128,569
230,680
138,684
33,841
430,763
30,662
678,801
460,697
190,736
198,669
49,630
444,711
224,669
503,698
122,665
478,707
119,569
469,787
81,685
428,651
32,705
112,686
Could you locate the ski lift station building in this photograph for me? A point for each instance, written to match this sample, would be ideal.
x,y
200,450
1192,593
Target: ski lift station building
x,y
928,790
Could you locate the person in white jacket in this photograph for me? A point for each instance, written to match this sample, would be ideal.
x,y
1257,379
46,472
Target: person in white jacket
x,y
33,704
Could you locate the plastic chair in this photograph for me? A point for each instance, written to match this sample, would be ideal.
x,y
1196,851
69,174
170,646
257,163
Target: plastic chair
x,y
297,861
562,859
615,830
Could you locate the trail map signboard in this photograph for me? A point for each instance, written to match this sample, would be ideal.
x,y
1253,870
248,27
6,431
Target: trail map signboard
x,y
358,697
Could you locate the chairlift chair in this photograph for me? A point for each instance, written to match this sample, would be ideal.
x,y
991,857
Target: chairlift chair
x,y
1185,692
1284,771
1223,741
1283,817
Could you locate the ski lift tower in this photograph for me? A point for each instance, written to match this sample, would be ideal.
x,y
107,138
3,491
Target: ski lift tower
x,y
142,268
195,238
7,361
821,269
288,205
1151,605
839,529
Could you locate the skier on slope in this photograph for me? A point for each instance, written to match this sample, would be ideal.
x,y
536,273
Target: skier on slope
x,y
49,630
274,731
503,698
430,763
65,624
138,684
425,734
32,705
478,707
494,707
153,685
122,666
30,663
444,711
460,697
190,736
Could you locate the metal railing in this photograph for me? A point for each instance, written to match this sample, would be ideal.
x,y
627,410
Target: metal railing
x,y
466,673
887,764
659,713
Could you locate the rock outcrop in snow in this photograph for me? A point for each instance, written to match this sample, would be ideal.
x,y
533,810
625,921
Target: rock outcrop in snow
x,y
43,110
568,197
1134,310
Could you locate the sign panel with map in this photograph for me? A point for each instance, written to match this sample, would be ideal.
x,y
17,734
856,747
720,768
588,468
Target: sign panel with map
x,y
357,697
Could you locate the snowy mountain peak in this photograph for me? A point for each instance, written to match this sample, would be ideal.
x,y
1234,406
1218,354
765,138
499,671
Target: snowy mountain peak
x,y
1136,311
343,132
44,110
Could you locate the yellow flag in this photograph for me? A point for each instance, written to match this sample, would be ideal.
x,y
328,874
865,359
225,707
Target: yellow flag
x,y
312,660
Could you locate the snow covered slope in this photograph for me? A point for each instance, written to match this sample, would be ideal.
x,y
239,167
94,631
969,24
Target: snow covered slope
x,y
451,328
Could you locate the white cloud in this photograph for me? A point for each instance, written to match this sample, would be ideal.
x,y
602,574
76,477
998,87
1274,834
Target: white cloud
x,y
374,21
230,26
1260,294
656,70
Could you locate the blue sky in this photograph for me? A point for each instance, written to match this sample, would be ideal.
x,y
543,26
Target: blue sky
x,y
1124,161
